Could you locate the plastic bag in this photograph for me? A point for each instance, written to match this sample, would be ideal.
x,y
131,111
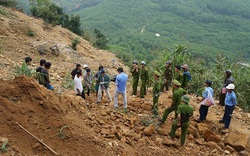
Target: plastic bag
x,y
209,101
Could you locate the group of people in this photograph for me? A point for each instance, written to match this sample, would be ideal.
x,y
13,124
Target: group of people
x,y
102,83
177,78
42,72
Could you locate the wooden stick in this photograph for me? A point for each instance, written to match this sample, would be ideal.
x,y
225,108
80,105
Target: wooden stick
x,y
37,139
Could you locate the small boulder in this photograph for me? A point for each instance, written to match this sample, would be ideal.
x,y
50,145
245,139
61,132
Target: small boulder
x,y
202,127
210,136
148,131
168,142
229,148
237,141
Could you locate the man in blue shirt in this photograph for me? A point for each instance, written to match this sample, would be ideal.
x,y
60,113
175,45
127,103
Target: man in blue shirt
x,y
230,102
206,101
120,82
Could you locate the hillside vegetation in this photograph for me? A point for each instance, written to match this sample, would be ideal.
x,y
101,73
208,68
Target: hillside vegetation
x,y
206,27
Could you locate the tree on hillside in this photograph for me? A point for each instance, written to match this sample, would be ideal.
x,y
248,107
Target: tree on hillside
x,y
54,14
9,3
101,40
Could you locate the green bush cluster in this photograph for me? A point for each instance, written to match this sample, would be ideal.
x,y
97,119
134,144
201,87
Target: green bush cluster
x,y
55,15
74,43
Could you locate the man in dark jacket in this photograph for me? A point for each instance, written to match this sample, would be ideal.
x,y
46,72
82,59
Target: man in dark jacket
x,y
103,80
73,73
45,73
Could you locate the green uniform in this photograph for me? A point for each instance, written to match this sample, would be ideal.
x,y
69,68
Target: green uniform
x,y
156,95
186,111
184,81
178,77
176,102
135,75
168,77
144,80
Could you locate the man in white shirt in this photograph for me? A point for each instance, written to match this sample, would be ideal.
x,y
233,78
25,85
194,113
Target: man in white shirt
x,y
78,84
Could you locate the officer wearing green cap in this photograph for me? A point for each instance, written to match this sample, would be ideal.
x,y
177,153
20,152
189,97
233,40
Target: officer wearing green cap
x,y
184,112
156,92
144,79
176,100
135,70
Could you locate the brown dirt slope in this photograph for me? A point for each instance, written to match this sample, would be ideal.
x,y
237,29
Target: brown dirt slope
x,y
43,113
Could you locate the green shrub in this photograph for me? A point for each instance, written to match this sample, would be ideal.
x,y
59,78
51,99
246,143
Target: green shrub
x,y
9,3
74,43
23,70
30,33
68,83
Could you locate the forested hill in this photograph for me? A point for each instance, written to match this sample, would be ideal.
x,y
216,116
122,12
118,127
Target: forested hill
x,y
206,27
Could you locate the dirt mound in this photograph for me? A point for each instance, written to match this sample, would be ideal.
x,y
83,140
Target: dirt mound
x,y
44,113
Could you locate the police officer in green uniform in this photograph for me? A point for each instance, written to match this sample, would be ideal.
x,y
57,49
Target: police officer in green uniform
x,y
177,73
176,100
167,76
184,112
144,79
156,92
135,70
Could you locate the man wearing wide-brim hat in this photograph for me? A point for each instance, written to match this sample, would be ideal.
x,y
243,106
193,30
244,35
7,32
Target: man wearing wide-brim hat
x,y
156,91
176,100
184,112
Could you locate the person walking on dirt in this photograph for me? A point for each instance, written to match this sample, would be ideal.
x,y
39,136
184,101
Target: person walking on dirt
x,y
42,63
184,112
39,76
78,84
156,92
206,101
144,79
167,76
97,82
73,73
46,77
176,100
186,76
121,81
85,67
88,81
103,80
178,75
135,70
228,80
230,102
28,61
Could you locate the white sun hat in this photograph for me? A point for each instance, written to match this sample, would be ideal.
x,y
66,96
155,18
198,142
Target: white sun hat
x,y
85,66
230,86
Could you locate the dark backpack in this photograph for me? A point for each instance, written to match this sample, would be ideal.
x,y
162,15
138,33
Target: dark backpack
x,y
188,75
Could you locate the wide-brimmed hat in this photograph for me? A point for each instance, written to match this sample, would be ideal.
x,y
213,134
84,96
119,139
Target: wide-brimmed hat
x,y
143,62
85,66
177,83
157,73
135,62
185,98
230,86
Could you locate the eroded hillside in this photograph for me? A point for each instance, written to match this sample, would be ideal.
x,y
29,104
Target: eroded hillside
x,y
73,126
